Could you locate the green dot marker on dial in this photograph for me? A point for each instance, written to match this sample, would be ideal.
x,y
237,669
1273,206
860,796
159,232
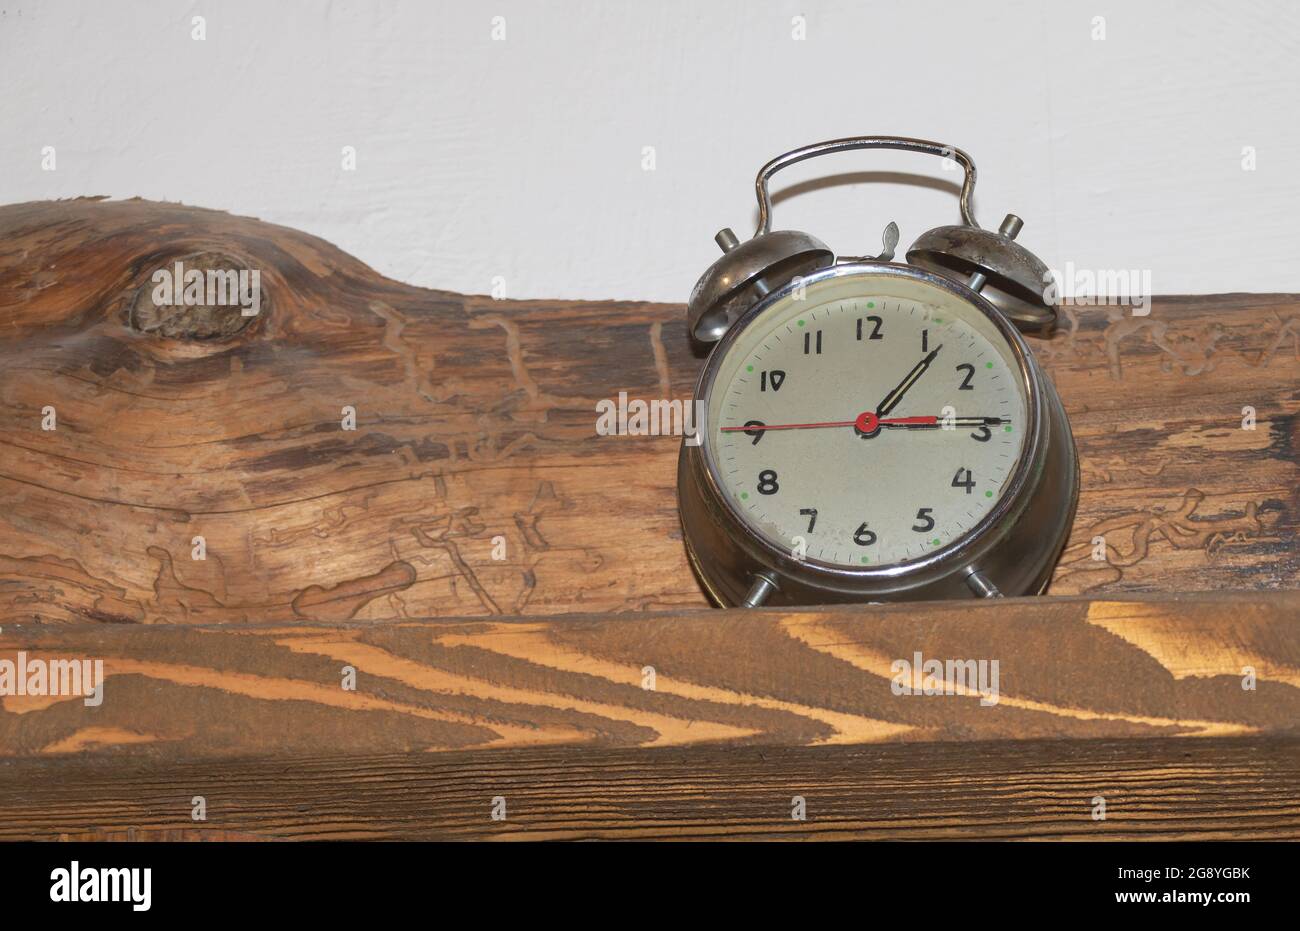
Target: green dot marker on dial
x,y
988,365
988,494
866,558
935,541
800,323
744,495
749,368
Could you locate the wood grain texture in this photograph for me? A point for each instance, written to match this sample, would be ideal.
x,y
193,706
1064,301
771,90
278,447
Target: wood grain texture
x,y
476,420
1209,789
1068,668
1140,701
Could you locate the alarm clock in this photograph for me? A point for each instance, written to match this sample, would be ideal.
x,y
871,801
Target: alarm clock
x,y
873,430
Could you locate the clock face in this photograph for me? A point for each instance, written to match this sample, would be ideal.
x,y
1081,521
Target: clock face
x,y
869,421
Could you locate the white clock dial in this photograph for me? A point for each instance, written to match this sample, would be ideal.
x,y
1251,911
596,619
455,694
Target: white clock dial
x,y
867,422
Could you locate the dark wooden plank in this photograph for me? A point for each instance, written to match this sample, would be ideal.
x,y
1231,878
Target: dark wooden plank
x,y
476,420
1066,667
1182,712
1204,789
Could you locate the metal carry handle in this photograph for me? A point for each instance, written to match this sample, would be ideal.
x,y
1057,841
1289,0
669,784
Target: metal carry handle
x,y
864,142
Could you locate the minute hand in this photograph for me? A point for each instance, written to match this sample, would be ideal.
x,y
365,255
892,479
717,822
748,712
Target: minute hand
x,y
892,399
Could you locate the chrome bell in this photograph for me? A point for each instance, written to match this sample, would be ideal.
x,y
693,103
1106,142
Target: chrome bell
x,y
1005,273
746,273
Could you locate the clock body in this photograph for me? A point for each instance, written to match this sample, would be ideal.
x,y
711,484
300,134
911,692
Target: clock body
x,y
875,432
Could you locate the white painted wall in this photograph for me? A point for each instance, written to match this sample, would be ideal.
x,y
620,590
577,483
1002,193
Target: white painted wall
x,y
523,158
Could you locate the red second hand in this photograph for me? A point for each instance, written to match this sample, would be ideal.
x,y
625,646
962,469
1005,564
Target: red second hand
x,y
790,426
866,422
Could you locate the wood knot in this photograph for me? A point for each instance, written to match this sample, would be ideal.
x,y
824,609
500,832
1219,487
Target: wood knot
x,y
203,296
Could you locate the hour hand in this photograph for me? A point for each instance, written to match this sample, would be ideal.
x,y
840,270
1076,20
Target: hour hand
x,y
976,421
892,399
869,424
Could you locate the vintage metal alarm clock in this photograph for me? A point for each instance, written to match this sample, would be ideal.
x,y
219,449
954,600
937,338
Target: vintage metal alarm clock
x,y
874,430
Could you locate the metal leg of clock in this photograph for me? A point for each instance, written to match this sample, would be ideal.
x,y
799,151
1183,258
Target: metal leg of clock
x,y
763,586
979,583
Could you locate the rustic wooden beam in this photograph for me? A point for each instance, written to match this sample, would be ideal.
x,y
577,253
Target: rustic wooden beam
x,y
1180,712
476,423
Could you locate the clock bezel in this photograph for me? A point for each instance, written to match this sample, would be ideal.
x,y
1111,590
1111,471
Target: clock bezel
x,y
954,553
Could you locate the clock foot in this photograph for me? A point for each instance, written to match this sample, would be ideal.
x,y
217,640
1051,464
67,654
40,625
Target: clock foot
x,y
763,586
979,583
